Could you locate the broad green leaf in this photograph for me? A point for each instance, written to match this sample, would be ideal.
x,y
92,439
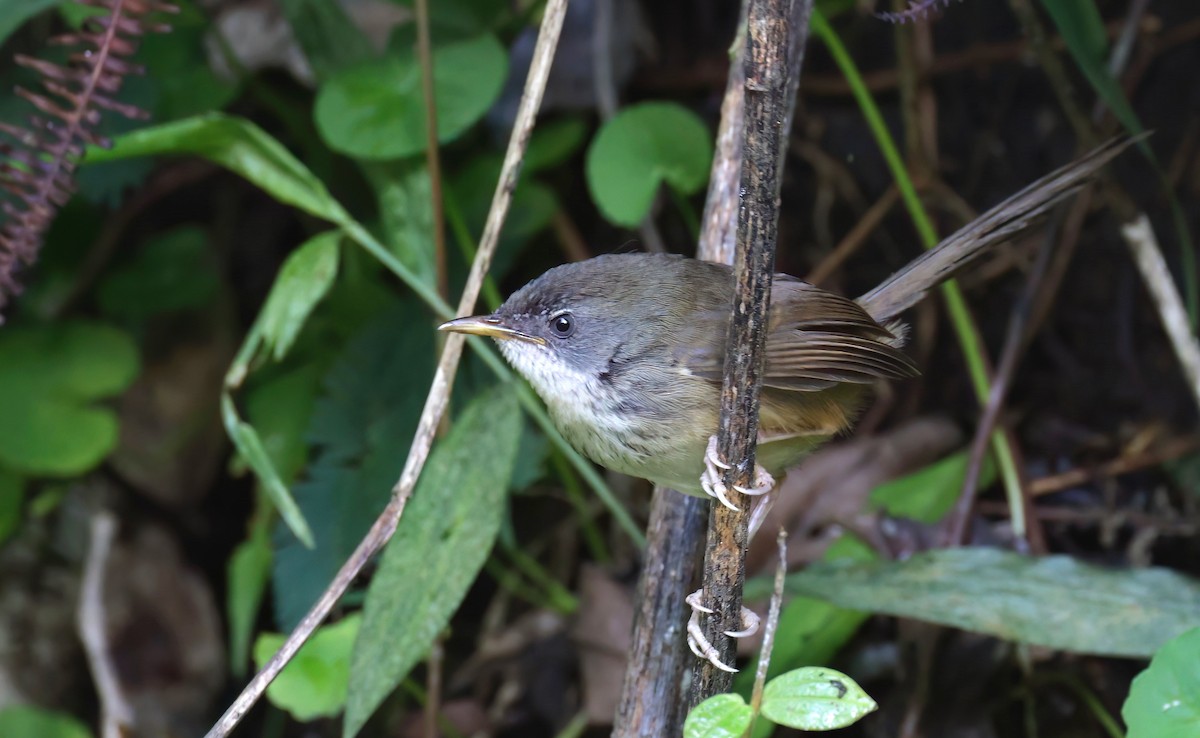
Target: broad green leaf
x,y
553,143
313,684
815,698
360,427
12,499
174,270
927,494
376,110
248,443
640,149
1164,700
719,716
238,145
249,571
451,21
330,40
443,539
49,377
812,631
31,722
305,277
1055,601
13,13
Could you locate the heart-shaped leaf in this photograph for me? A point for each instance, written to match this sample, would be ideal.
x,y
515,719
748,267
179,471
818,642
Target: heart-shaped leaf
x,y
377,111
49,377
641,148
1164,700
313,684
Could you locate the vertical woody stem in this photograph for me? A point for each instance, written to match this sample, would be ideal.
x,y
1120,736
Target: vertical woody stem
x,y
775,33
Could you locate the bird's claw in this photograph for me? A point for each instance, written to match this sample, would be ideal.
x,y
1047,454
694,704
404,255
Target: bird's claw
x,y
711,481
699,643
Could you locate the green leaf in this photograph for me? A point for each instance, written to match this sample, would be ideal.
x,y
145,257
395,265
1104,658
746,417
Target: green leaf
x,y
815,698
812,631
553,143
377,111
313,684
360,427
248,443
237,145
1054,601
927,494
405,195
12,499
248,573
279,408
13,13
719,716
442,541
641,148
49,376
31,722
1164,700
329,38
303,280
172,271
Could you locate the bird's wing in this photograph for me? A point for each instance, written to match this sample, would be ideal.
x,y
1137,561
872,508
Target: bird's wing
x,y
816,339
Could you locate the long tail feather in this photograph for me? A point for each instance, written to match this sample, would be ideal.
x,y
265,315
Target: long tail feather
x,y
1002,223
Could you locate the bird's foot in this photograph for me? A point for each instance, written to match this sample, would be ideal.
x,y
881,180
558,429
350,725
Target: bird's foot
x,y
713,485
700,644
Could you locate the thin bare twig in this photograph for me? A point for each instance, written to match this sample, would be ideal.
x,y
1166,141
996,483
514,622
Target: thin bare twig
x,y
775,34
1143,244
439,391
770,627
116,714
1123,464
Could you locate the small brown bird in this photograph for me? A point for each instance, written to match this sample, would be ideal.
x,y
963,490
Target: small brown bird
x,y
627,350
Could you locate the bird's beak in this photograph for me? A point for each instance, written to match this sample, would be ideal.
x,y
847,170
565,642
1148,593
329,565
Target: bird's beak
x,y
487,325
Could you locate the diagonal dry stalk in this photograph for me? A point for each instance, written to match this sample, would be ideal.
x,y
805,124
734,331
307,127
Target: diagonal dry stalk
x,y
439,391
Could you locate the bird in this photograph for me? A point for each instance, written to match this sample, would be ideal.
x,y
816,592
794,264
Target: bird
x,y
627,350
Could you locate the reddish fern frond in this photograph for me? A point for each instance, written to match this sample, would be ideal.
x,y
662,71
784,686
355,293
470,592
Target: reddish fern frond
x,y
916,10
37,162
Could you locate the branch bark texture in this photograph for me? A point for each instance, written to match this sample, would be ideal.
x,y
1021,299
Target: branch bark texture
x,y
775,31
652,694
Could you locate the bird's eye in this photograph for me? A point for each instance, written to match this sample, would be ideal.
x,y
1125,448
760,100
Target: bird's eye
x,y
562,325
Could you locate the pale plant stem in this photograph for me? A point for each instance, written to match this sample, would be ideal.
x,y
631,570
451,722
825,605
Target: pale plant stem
x,y
439,391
